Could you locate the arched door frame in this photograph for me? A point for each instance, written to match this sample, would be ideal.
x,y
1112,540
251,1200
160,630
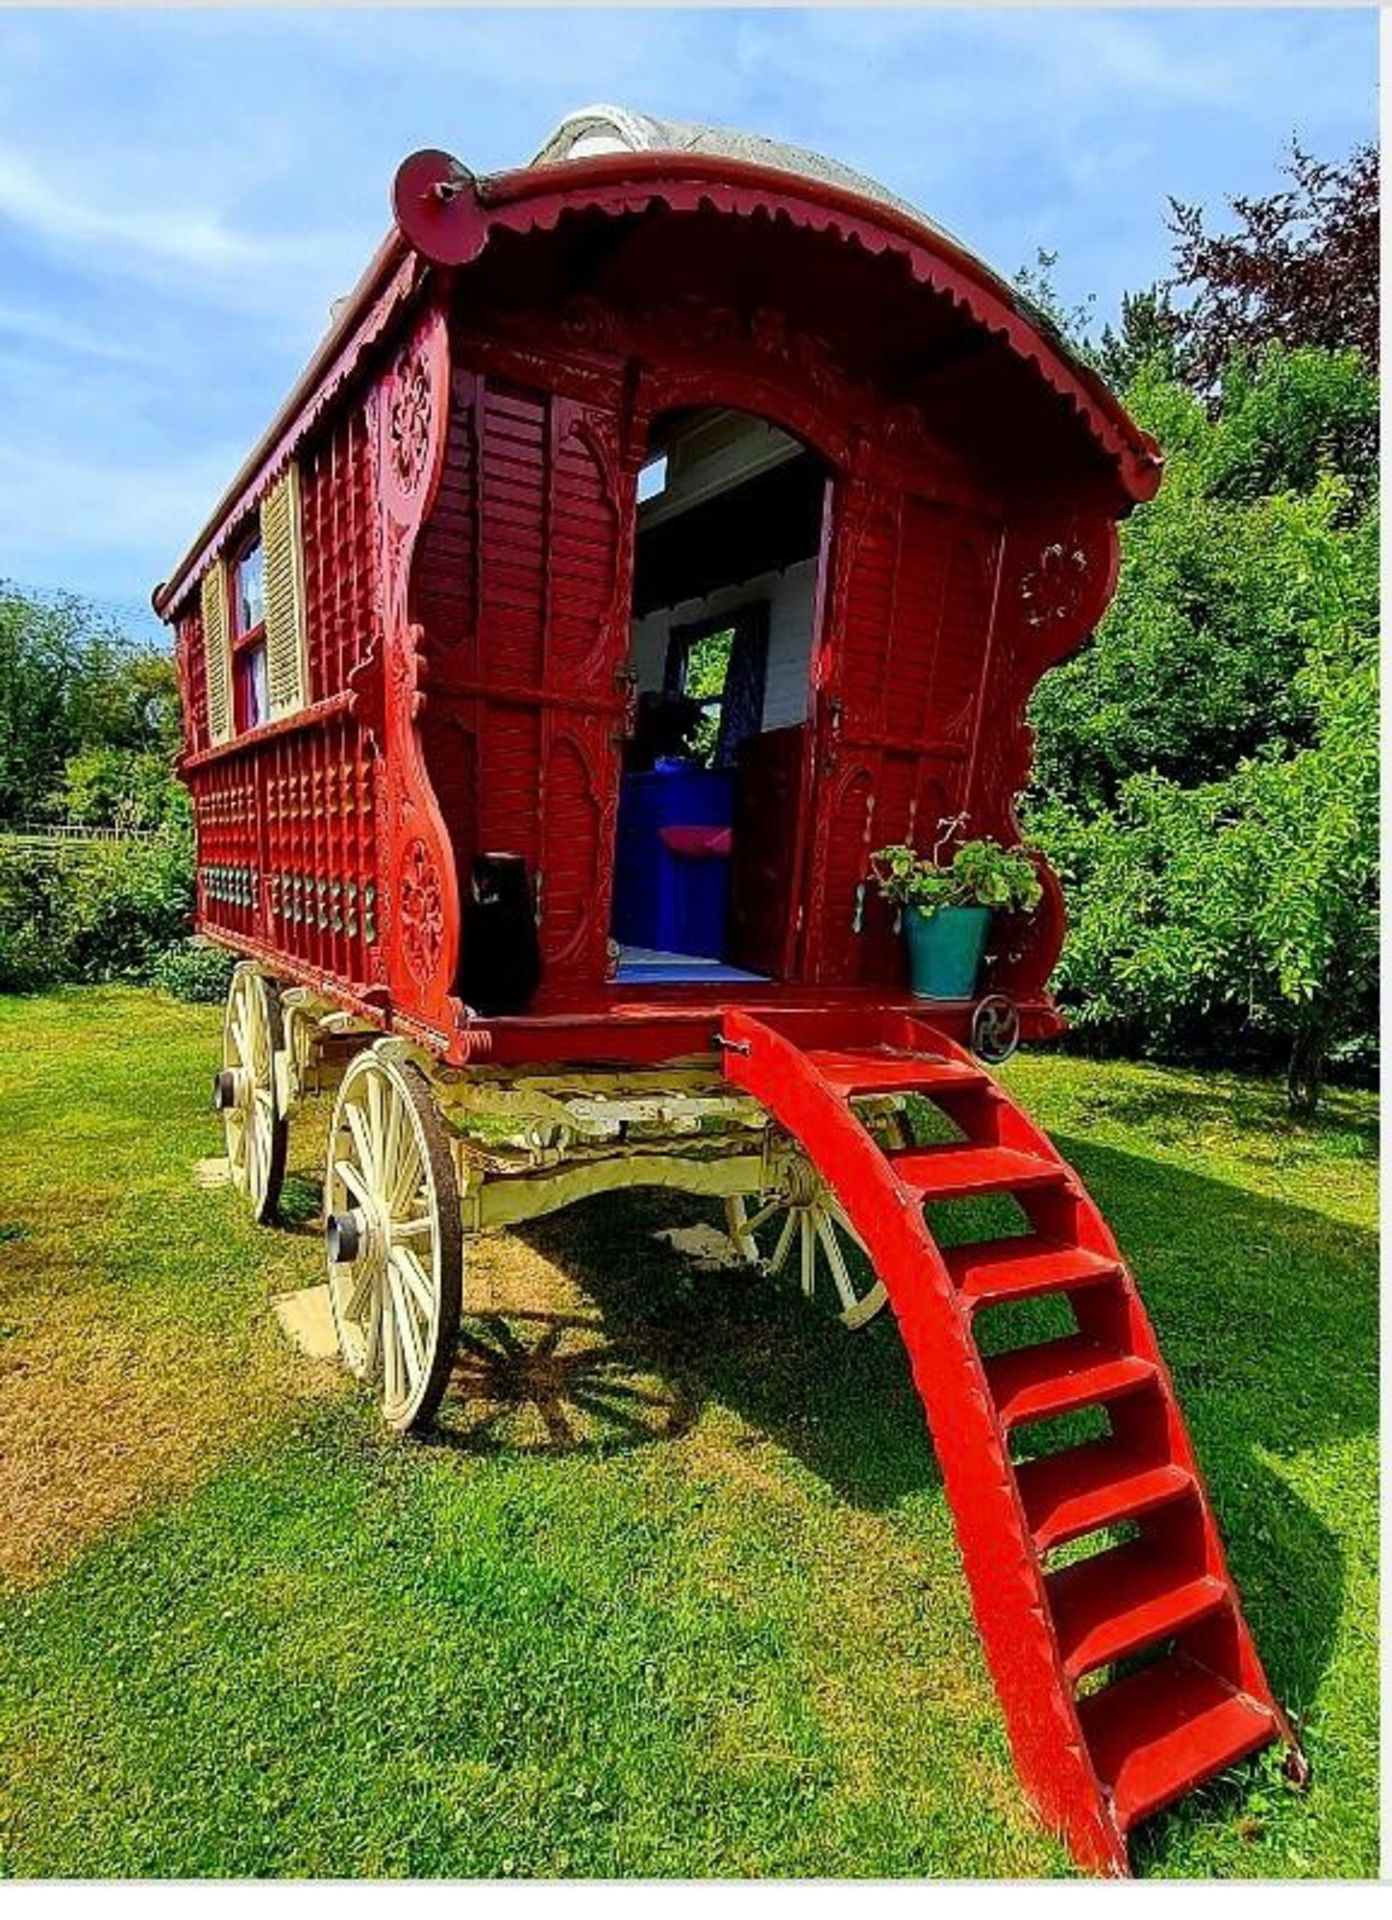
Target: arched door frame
x,y
841,442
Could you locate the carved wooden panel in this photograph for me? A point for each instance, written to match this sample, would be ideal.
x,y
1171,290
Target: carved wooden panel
x,y
522,590
338,521
901,672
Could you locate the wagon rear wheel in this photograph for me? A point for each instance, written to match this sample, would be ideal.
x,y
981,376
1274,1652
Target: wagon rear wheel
x,y
253,1032
394,1240
802,1229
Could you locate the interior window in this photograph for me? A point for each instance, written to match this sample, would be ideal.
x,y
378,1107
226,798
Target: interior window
x,y
705,663
249,638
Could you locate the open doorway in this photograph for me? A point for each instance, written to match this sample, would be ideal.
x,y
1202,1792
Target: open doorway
x,y
731,512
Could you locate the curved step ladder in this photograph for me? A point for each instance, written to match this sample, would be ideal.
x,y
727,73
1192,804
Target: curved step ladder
x,y
1095,1760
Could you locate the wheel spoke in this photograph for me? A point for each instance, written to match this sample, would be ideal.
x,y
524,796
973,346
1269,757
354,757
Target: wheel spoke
x,y
357,1187
785,1241
408,1229
409,1176
359,1292
737,1226
391,1346
391,1149
408,1333
413,1273
826,1233
367,1159
808,1253
765,1214
372,1352
838,1214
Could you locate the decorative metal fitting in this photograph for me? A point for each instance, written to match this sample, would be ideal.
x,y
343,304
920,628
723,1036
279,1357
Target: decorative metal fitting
x,y
343,1237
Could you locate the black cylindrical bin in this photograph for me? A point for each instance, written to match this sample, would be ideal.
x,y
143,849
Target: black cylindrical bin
x,y
501,962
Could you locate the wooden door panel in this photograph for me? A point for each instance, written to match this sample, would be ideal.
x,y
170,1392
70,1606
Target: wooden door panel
x,y
524,598
900,677
763,867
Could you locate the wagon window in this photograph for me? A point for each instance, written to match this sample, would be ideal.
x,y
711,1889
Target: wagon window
x,y
250,603
704,668
249,638
719,665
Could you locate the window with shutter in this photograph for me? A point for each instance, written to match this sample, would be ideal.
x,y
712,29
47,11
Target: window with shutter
x,y
287,665
217,652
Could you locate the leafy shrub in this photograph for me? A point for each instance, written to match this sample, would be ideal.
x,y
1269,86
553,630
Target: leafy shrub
x,y
121,903
194,970
92,911
31,955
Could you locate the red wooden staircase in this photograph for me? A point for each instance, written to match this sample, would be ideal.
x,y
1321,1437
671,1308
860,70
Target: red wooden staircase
x,y
1097,1751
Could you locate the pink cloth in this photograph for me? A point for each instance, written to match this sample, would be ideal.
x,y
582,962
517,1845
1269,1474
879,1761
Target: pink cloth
x,y
697,843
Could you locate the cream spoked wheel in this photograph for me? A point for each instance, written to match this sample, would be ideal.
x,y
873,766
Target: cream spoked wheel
x,y
245,1092
803,1229
393,1237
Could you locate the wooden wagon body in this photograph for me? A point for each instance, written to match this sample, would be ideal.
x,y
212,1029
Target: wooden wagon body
x,y
661,385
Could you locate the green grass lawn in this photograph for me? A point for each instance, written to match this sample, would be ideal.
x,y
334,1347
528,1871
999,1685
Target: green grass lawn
x,y
675,1589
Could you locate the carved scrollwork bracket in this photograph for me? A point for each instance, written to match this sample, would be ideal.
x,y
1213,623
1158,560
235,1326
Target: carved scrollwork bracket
x,y
1058,578
419,889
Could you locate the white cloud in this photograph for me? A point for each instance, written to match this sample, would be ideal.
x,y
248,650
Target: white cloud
x,y
57,333
193,249
144,511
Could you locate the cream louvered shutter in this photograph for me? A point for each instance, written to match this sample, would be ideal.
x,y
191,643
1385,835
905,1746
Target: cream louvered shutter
x,y
217,653
287,665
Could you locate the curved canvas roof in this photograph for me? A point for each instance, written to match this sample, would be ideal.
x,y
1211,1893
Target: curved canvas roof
x,y
608,129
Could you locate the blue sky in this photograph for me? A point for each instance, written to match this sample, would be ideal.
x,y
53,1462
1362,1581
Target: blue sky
x,y
182,195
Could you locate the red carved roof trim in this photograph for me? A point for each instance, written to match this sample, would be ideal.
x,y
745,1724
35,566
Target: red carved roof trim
x,y
449,216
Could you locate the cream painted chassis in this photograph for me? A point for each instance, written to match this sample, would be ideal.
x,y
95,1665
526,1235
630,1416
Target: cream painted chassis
x,y
421,1157
529,1141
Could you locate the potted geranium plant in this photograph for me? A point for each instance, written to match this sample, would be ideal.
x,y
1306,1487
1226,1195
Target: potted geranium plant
x,y
947,898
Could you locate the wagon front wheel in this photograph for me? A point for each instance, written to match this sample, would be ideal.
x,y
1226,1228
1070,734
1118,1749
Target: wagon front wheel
x,y
253,1032
804,1229
393,1237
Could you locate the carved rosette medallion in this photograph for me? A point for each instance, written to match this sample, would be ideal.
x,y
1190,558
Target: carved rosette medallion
x,y
409,419
1052,591
420,911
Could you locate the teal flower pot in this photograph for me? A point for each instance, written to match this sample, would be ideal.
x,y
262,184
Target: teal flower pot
x,y
945,950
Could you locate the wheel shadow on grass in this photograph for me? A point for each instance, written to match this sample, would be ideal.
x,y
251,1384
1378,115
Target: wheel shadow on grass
x,y
528,1382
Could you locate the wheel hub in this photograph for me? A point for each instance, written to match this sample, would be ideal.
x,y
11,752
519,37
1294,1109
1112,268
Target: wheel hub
x,y
803,1185
231,1089
345,1236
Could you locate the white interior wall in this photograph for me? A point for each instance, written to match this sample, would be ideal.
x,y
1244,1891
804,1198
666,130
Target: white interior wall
x,y
791,596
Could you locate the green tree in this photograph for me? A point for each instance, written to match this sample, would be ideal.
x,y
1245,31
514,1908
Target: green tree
x,y
70,683
121,787
1195,665
1207,771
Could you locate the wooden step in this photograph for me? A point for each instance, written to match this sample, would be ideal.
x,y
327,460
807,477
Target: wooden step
x,y
958,1172
1157,1734
1020,1267
888,1070
1125,1599
1074,1492
1058,1376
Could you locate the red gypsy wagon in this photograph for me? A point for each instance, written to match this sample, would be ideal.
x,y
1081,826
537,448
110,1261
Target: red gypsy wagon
x,y
678,436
